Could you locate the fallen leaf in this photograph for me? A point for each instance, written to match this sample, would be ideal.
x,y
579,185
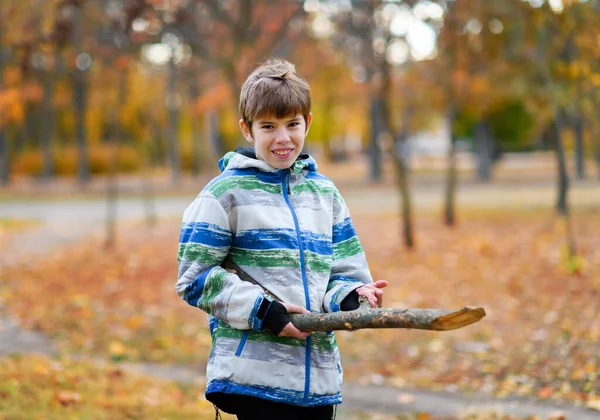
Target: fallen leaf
x,y
67,398
404,398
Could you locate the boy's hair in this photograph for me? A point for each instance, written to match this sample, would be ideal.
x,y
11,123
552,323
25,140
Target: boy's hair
x,y
274,89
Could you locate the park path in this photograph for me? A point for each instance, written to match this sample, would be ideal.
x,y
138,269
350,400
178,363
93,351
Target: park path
x,y
63,222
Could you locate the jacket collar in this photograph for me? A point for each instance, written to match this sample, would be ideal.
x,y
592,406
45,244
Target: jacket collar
x,y
245,157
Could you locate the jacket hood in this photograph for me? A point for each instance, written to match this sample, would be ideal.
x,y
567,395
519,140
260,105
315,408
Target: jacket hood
x,y
245,157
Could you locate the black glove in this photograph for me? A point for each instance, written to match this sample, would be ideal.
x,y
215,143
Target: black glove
x,y
350,302
276,318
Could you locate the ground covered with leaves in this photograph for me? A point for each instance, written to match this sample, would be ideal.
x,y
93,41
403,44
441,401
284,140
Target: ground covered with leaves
x,y
539,338
35,387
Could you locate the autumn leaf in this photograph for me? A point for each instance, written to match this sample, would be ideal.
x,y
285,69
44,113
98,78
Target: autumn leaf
x,y
67,398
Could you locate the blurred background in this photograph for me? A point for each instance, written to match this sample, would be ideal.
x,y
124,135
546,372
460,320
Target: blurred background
x,y
95,87
463,135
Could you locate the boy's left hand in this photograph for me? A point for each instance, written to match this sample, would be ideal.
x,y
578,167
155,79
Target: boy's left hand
x,y
373,292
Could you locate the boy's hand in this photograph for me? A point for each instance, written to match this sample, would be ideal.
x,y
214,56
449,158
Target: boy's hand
x,y
289,330
373,293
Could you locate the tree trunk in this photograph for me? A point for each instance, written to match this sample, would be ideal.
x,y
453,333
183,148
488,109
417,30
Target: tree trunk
x,y
598,160
115,138
326,128
80,92
80,99
366,317
451,176
4,162
47,123
376,129
112,189
400,159
172,130
578,126
218,148
484,149
406,202
563,180
148,164
195,152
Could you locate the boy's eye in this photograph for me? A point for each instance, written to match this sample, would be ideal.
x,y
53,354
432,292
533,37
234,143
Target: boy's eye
x,y
267,126
294,124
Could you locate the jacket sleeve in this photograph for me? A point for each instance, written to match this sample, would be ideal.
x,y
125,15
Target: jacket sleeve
x,y
204,243
349,268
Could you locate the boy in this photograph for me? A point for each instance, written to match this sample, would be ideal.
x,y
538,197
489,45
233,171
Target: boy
x,y
279,220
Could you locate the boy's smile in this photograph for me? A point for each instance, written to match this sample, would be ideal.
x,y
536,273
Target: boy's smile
x,y
277,141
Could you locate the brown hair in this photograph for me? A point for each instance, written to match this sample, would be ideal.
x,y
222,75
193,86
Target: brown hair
x,y
274,89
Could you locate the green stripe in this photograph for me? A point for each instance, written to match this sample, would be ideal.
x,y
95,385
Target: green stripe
x,y
212,288
201,253
346,249
320,340
318,263
266,258
334,283
244,183
318,188
280,258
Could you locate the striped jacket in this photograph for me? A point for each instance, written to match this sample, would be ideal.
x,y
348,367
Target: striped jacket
x,y
291,231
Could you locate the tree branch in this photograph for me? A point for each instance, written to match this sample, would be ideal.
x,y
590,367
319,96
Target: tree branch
x,y
366,317
414,318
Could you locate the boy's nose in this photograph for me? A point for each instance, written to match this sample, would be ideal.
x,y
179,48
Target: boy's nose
x,y
282,136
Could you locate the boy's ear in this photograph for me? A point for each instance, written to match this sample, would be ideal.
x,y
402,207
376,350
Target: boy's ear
x,y
246,131
308,121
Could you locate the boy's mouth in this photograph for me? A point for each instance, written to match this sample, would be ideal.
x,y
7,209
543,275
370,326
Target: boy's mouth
x,y
283,153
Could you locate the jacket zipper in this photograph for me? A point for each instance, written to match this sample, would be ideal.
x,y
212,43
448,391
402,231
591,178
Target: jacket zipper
x,y
285,184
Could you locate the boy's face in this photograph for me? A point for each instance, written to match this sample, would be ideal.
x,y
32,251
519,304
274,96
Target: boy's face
x,y
277,141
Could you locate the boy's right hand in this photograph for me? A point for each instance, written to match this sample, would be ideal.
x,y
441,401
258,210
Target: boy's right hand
x,y
278,321
289,330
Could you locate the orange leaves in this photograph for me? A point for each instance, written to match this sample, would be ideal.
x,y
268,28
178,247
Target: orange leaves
x,y
541,332
539,338
42,388
66,398
545,392
121,304
11,106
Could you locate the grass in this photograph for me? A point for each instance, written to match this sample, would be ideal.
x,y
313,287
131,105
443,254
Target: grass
x,y
11,224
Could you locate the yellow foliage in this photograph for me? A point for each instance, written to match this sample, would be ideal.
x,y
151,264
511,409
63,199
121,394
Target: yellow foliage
x,y
129,159
11,106
29,163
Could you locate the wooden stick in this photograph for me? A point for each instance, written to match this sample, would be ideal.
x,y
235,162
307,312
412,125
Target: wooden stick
x,y
412,318
367,317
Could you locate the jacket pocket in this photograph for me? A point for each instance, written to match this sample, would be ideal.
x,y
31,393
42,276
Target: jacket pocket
x,y
240,348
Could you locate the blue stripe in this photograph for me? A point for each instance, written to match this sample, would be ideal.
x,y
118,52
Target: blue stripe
x,y
266,177
253,320
334,305
316,176
281,395
212,325
343,231
193,292
204,233
258,239
314,242
238,353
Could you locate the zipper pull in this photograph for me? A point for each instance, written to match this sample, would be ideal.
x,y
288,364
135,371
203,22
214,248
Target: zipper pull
x,y
287,179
